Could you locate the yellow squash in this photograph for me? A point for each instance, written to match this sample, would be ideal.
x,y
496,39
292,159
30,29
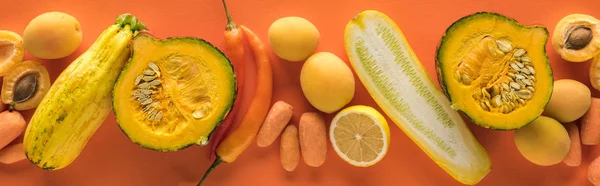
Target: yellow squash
x,y
80,99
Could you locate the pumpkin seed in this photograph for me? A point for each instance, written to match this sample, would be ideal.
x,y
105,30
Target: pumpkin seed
x,y
525,59
144,86
521,101
496,101
138,79
153,66
530,68
521,83
483,106
520,64
492,50
149,72
148,78
526,81
158,116
146,108
152,113
495,90
198,113
505,86
485,93
524,94
532,78
511,75
465,78
142,99
145,91
477,95
146,102
525,71
504,45
514,66
515,86
519,76
531,88
156,82
519,52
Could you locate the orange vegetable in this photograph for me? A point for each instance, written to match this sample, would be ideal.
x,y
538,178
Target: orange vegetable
x,y
289,150
240,138
12,124
234,50
12,153
277,118
593,171
2,107
590,124
573,158
313,139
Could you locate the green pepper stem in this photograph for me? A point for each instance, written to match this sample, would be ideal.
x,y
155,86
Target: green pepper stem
x,y
230,24
210,169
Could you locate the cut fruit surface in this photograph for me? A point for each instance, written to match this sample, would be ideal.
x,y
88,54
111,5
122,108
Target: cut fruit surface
x,y
173,92
360,135
495,70
11,50
399,84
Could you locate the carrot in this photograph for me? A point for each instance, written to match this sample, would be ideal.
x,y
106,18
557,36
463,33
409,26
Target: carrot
x,y
289,150
593,171
240,138
277,118
12,153
590,124
234,49
12,124
573,158
313,139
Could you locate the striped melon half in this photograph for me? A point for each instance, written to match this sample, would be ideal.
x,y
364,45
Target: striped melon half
x,y
398,82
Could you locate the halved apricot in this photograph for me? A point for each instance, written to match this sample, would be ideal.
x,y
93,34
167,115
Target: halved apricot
x,y
11,50
25,85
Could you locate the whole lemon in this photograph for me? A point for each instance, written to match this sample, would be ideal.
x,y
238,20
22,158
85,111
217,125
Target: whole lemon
x,y
293,38
327,82
52,35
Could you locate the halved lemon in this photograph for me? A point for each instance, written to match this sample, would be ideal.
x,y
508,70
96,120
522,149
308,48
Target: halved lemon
x,y
360,135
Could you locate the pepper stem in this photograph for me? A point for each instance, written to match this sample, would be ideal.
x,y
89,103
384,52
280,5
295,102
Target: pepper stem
x,y
11,107
210,169
230,24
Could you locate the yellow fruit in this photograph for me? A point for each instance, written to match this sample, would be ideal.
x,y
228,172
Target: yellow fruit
x,y
293,38
543,142
327,82
52,35
570,100
360,135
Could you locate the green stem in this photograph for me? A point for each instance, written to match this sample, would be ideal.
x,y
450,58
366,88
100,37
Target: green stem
x,y
210,169
128,19
11,107
230,24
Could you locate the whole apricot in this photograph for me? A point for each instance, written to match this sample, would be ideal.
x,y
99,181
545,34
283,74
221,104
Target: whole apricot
x,y
52,35
543,142
570,100
293,38
327,82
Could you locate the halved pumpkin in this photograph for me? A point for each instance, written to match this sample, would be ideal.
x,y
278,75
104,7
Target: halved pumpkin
x,y
173,92
495,70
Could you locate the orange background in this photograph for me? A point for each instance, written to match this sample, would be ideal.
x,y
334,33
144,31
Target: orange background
x,y
110,158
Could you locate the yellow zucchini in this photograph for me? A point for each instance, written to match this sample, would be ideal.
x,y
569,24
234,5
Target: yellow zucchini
x,y
80,99
399,84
